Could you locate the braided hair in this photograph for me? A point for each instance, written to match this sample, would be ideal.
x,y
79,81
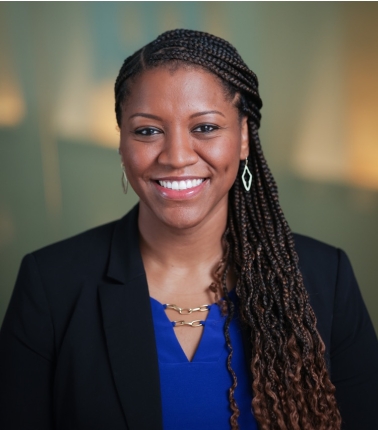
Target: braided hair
x,y
291,386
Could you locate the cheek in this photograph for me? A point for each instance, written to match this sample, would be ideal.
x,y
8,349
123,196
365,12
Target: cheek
x,y
225,156
232,159
136,157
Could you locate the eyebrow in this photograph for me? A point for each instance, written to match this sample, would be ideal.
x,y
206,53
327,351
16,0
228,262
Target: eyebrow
x,y
148,115
145,115
206,113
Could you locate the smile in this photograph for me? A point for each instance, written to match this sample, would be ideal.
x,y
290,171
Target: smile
x,y
181,185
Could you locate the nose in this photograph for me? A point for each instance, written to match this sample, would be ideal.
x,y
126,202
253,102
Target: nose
x,y
178,151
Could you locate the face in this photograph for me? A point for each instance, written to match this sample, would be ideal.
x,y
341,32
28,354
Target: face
x,y
181,144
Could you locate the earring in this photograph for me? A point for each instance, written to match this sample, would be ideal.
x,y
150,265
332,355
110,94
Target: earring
x,y
124,180
247,176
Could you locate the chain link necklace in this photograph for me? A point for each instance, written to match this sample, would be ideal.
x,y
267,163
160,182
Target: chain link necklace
x,y
187,311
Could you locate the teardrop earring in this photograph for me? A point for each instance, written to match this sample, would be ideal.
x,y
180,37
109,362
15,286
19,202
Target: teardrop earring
x,y
247,176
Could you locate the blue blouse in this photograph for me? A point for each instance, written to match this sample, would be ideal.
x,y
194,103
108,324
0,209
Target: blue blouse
x,y
195,393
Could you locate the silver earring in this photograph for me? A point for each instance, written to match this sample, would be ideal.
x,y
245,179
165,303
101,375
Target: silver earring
x,y
247,176
125,181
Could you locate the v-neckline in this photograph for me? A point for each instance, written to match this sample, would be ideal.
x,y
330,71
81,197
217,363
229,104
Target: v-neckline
x,y
211,343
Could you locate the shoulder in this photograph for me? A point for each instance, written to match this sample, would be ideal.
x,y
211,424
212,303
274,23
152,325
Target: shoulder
x,y
60,274
312,251
323,266
90,246
84,256
317,260
86,246
61,268
319,264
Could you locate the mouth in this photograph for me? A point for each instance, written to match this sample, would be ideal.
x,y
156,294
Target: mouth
x,y
181,185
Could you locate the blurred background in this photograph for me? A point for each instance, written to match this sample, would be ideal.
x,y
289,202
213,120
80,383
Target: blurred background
x,y
318,69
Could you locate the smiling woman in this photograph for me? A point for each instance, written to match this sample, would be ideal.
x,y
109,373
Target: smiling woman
x,y
200,309
178,126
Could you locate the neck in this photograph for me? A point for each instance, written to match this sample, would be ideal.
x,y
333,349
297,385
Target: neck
x,y
186,253
183,247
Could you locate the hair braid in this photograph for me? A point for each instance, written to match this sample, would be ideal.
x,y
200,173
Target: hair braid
x,y
291,386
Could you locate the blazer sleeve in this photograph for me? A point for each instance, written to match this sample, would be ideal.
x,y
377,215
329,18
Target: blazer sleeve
x,y
27,355
354,353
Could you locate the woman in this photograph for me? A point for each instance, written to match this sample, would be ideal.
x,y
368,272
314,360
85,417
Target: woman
x,y
200,301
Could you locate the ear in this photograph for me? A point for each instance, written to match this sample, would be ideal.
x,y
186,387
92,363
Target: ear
x,y
244,134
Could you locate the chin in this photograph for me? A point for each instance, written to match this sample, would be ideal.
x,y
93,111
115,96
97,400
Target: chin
x,y
182,218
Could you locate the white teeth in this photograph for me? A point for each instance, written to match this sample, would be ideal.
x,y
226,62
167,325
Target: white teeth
x,y
181,185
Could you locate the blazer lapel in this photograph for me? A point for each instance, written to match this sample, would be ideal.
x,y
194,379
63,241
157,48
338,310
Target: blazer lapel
x,y
129,331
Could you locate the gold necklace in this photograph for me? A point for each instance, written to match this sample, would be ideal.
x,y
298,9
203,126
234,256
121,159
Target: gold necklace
x,y
187,311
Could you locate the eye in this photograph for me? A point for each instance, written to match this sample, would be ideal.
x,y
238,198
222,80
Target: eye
x,y
205,128
147,131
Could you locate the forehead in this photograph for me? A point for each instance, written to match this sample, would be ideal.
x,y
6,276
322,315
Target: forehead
x,y
179,87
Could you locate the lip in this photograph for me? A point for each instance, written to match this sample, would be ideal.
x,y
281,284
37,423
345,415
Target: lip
x,y
171,194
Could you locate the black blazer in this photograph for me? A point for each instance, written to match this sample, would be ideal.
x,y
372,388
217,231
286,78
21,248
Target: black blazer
x,y
77,346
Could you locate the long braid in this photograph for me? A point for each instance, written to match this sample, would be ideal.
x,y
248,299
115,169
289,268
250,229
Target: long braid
x,y
291,386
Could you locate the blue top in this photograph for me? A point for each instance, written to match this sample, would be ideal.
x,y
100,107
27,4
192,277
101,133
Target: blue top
x,y
195,393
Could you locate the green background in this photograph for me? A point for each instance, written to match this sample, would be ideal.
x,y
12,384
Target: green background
x,y
59,167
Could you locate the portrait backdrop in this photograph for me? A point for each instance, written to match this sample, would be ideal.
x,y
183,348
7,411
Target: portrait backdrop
x,y
60,172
